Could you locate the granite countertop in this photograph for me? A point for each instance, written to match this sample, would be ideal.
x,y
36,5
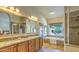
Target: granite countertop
x,y
19,40
16,35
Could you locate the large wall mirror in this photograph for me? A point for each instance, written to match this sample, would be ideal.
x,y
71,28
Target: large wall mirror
x,y
4,23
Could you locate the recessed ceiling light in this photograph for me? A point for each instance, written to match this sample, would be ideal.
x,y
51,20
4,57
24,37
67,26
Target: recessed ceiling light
x,y
52,13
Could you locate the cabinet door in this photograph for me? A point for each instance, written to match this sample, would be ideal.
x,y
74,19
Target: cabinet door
x,y
9,49
60,43
47,41
41,43
31,45
23,47
37,44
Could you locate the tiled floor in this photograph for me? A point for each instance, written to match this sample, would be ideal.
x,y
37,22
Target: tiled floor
x,y
51,48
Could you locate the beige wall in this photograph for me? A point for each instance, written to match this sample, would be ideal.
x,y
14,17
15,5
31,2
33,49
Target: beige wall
x,y
56,20
16,19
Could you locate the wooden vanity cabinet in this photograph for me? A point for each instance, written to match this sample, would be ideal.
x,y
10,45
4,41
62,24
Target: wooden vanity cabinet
x,y
8,49
23,47
26,46
32,45
37,44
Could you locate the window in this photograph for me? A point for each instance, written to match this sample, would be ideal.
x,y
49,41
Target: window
x,y
33,26
30,26
57,29
27,26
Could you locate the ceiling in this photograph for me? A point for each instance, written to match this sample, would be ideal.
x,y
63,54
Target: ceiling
x,y
42,11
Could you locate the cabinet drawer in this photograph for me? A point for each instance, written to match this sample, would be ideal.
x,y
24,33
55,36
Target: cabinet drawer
x,y
9,49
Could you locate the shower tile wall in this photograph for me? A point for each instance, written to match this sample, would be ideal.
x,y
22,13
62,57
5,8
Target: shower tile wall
x,y
74,28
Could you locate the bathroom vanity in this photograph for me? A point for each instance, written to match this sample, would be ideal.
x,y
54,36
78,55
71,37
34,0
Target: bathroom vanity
x,y
14,32
20,43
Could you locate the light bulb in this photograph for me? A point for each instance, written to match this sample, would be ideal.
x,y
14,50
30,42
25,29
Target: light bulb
x,y
17,10
12,8
5,6
52,13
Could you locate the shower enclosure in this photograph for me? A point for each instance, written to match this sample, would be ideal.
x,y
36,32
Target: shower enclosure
x,y
72,22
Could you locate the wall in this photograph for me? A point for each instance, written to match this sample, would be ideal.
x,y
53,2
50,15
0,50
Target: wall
x,y
16,19
74,8
56,20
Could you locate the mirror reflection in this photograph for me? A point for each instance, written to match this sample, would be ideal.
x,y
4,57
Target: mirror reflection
x,y
4,23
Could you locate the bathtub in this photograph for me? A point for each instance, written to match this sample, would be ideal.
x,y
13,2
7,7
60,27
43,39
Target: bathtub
x,y
53,40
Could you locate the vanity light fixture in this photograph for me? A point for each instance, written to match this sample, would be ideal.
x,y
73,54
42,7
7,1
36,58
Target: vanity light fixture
x,y
17,10
14,24
33,18
5,6
12,8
